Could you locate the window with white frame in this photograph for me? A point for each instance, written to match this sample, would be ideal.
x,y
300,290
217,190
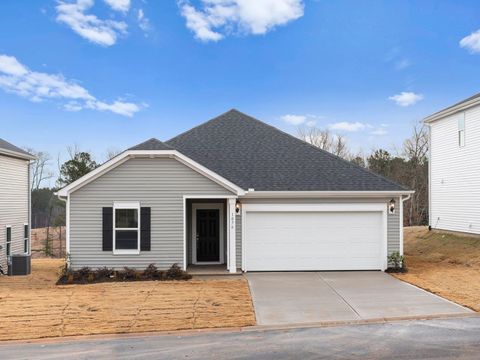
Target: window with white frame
x,y
126,228
8,236
25,238
461,130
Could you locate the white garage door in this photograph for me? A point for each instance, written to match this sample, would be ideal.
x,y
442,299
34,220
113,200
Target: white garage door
x,y
313,240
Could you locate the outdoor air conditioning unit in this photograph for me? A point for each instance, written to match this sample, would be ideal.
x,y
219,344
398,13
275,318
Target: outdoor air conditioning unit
x,y
19,265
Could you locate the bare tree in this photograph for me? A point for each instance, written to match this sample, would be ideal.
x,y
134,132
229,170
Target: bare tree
x,y
111,153
39,168
416,147
339,147
415,151
325,140
359,159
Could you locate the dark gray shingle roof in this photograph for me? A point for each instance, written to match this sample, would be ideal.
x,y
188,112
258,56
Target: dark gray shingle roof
x,y
255,155
151,144
10,148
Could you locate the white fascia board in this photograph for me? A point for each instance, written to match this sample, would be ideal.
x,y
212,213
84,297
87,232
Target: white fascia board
x,y
17,154
325,194
131,154
451,110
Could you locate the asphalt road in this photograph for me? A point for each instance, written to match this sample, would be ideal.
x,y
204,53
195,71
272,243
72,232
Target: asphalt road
x,y
457,338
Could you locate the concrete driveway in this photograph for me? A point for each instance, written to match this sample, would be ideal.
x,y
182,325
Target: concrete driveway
x,y
309,297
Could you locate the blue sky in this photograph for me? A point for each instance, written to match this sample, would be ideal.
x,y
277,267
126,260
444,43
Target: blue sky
x,y
107,74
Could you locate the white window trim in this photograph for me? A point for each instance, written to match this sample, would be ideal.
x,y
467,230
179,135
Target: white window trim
x,y
27,238
461,132
126,205
8,242
206,206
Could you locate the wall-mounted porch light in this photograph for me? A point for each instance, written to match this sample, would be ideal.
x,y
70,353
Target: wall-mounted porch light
x,y
391,206
237,207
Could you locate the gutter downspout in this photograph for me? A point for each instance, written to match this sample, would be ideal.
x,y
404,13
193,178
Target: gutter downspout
x,y
429,177
67,226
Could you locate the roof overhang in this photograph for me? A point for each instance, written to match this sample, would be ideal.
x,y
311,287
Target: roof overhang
x,y
17,154
452,110
326,194
131,154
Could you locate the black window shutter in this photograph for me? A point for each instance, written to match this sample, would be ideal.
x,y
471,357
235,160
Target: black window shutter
x,y
107,238
145,229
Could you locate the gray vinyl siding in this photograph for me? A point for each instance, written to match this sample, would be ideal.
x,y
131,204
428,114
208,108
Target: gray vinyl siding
x,y
14,204
393,232
393,220
158,183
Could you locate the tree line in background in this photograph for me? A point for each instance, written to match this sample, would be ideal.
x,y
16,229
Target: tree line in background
x,y
409,167
48,211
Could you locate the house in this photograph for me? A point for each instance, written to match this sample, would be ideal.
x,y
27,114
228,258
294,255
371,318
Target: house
x,y
454,168
235,192
14,202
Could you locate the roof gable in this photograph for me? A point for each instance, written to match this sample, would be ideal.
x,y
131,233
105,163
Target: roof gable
x,y
12,150
151,144
255,155
450,110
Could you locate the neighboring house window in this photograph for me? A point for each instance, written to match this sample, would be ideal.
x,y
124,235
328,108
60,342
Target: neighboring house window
x,y
126,231
9,240
25,238
461,130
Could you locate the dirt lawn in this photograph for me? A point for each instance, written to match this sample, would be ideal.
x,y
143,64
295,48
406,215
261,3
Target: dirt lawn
x,y
444,263
34,307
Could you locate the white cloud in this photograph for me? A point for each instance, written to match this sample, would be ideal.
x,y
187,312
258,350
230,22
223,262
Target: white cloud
x,y
218,18
309,120
294,119
38,86
119,5
406,98
402,64
379,132
471,42
89,26
143,21
117,107
72,106
10,66
347,126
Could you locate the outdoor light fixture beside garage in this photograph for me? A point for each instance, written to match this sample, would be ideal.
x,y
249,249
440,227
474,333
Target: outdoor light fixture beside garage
x,y
391,206
237,207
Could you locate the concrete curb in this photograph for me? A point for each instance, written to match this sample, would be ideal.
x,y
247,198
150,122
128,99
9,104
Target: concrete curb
x,y
255,328
359,322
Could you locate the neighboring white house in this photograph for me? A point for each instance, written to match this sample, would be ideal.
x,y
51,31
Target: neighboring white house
x,y
14,202
454,173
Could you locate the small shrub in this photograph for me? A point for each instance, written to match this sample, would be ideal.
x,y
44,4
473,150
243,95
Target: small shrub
x,y
396,262
151,272
127,273
83,272
104,273
176,273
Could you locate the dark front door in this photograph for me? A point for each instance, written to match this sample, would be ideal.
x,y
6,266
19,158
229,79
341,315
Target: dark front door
x,y
208,235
